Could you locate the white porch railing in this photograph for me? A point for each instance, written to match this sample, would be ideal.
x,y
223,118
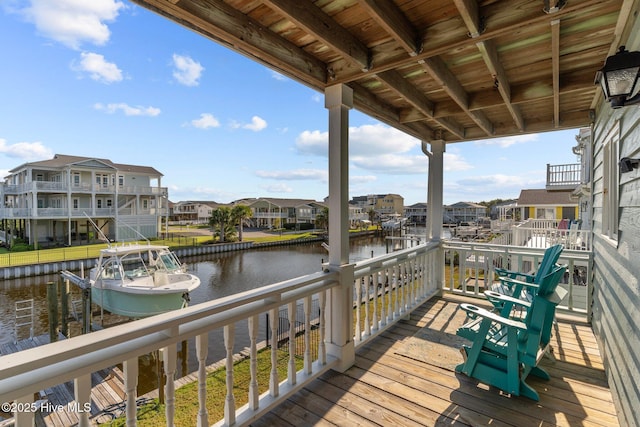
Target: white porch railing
x,y
471,270
387,289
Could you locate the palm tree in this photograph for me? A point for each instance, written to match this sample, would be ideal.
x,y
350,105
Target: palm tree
x,y
240,215
221,220
322,218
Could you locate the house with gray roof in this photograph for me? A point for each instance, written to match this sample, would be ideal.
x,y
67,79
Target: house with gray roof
x,y
55,201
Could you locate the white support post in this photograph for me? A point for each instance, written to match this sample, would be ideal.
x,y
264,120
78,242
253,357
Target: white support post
x,y
435,208
130,367
339,100
82,390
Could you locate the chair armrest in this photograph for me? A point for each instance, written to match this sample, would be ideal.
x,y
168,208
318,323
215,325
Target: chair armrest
x,y
510,282
475,311
495,296
501,272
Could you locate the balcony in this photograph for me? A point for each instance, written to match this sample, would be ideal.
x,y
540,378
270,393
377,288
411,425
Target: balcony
x,y
397,361
564,177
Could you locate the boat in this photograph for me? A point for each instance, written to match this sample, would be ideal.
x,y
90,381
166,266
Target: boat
x,y
140,280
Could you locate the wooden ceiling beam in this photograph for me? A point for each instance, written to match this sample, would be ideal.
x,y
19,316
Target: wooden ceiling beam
x,y
470,14
490,56
312,19
403,88
555,69
391,18
450,84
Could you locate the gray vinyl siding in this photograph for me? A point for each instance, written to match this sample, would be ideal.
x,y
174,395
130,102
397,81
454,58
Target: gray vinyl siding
x,y
616,317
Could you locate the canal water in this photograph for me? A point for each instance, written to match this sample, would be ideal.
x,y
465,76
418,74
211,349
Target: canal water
x,y
220,274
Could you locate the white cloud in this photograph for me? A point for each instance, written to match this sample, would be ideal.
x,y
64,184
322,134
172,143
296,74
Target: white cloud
x,y
127,109
187,71
504,181
29,151
73,22
98,68
392,164
293,175
257,124
365,141
277,188
509,140
277,76
205,121
454,163
361,179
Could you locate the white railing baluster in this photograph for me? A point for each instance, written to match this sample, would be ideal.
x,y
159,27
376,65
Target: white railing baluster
x,y
322,350
82,391
130,367
375,325
274,389
253,363
367,324
387,290
202,348
307,335
169,356
395,284
291,308
230,400
359,283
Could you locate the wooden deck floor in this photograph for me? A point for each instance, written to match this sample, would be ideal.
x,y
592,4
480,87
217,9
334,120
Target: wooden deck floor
x,y
405,377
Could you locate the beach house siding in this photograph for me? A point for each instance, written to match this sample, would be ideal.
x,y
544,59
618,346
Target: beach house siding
x,y
616,245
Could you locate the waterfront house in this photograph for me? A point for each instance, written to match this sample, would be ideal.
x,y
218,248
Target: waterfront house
x,y
416,213
53,201
270,212
193,211
465,212
383,205
444,72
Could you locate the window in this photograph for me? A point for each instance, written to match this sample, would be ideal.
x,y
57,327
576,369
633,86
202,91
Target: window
x,y
99,203
145,204
109,203
545,213
610,182
76,203
121,180
75,179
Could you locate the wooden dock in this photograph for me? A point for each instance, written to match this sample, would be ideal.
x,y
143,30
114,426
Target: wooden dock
x,y
107,393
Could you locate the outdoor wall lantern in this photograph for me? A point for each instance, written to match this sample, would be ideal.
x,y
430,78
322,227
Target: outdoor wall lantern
x,y
627,164
619,78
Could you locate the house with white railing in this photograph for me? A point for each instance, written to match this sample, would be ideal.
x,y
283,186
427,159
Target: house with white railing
x,y
54,201
270,212
446,73
193,211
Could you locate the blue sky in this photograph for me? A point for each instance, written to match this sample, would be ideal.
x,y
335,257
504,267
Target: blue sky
x,y
109,79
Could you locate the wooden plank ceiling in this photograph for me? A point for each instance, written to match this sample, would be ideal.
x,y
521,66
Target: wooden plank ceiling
x,y
437,69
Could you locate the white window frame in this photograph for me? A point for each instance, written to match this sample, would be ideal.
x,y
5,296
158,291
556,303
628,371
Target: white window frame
x,y
611,183
75,179
75,203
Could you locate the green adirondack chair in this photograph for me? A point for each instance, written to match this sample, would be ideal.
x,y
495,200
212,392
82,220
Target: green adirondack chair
x,y
521,285
505,351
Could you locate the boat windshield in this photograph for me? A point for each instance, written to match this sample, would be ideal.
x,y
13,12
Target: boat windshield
x,y
133,267
170,261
